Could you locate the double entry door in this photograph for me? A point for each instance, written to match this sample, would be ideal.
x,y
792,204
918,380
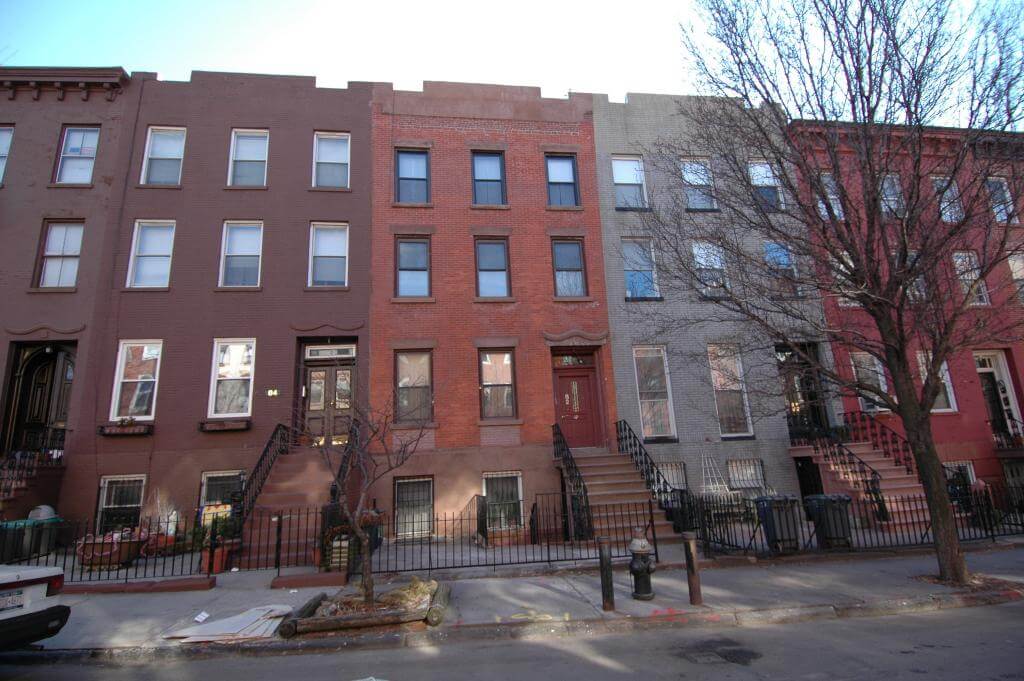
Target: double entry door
x,y
328,402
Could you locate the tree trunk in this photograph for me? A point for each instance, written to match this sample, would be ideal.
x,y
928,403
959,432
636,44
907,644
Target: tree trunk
x,y
952,566
364,539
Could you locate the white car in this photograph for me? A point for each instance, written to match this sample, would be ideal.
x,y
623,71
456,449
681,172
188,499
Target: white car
x,y
28,608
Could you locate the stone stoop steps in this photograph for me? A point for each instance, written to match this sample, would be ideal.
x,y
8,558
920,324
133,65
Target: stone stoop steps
x,y
611,478
40,486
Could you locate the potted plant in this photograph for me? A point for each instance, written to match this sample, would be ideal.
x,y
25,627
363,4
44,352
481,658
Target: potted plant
x,y
225,537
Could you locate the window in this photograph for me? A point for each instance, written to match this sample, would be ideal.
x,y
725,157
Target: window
x,y
745,473
243,245
6,135
831,191
653,391
570,276
562,189
638,268
709,266
165,149
60,255
330,160
766,186
248,158
964,470
138,371
488,178
328,254
730,396
1016,262
413,391
504,494
120,502
77,155
150,264
497,384
698,185
412,177
781,269
842,274
234,361
628,176
867,370
674,473
414,507
917,289
950,207
891,195
220,487
969,273
413,267
1000,200
945,401
492,278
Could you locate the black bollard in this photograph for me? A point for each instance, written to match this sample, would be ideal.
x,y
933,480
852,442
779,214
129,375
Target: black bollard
x,y
604,552
692,568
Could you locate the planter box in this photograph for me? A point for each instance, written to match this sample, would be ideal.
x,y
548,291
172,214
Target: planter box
x,y
113,429
109,555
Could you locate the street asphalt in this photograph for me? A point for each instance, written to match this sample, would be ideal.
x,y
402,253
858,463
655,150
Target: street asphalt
x,y
969,644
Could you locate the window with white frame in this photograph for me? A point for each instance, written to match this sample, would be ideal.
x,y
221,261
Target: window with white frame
x,y
698,184
234,363
135,384
1016,262
218,487
638,269
962,469
868,371
745,473
1000,199
6,135
781,269
331,160
165,149
328,254
891,196
241,254
968,271
61,253
120,502
654,391
842,274
628,176
945,400
248,166
948,193
152,245
504,493
77,155
765,182
730,393
830,188
709,267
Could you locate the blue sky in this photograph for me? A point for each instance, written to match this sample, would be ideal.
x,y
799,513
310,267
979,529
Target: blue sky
x,y
558,45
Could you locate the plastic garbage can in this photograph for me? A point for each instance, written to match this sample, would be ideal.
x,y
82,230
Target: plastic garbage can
x,y
779,518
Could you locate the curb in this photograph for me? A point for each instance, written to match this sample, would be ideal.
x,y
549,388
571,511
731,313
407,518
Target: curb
x,y
414,636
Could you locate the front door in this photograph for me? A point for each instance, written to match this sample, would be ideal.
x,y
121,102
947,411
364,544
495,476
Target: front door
x,y
993,403
802,390
997,391
328,402
40,393
576,406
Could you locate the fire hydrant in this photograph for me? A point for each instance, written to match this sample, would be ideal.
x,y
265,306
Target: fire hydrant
x,y
641,566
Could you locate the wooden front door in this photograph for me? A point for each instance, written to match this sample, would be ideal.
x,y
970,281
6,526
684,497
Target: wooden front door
x,y
576,406
40,398
328,402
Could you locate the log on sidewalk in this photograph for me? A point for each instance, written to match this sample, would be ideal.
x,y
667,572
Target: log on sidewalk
x,y
289,628
439,604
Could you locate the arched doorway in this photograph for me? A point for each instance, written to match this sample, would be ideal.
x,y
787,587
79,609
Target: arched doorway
x,y
38,396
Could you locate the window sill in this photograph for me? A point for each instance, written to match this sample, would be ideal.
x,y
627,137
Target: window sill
x,y
326,288
146,289
413,299
52,289
633,209
660,440
572,299
414,425
238,289
70,185
343,190
565,208
731,438
242,187
158,186
945,412
118,430
398,204
500,422
703,210
645,299
488,206
495,299
215,425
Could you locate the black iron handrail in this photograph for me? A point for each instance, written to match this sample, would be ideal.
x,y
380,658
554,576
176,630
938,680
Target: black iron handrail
x,y
863,426
279,442
656,482
579,500
17,468
860,474
1013,438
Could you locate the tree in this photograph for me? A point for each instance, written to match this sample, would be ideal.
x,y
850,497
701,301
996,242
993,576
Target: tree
x,y
874,127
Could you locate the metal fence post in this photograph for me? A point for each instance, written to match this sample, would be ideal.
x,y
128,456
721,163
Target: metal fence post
x,y
213,547
654,534
277,542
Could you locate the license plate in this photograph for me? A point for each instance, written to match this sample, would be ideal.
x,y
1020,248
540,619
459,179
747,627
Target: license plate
x,y
11,600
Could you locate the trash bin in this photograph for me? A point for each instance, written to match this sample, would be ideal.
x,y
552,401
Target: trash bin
x,y
779,517
41,530
830,514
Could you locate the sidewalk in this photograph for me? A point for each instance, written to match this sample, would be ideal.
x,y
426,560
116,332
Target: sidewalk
x,y
735,595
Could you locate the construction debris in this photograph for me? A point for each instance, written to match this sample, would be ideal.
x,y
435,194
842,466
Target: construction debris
x,y
259,622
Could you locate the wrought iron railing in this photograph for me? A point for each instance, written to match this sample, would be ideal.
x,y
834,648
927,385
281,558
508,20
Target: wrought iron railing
x,y
279,442
858,473
864,427
577,498
1012,437
17,467
654,478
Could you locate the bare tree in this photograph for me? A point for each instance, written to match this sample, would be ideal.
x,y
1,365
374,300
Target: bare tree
x,y
858,202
